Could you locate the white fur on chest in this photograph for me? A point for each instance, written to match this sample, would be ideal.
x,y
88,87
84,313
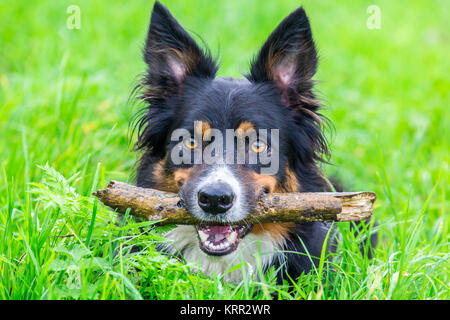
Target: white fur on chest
x,y
184,239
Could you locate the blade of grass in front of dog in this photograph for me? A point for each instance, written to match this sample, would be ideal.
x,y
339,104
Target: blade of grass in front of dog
x,y
83,173
413,233
31,220
323,258
122,224
6,246
94,208
384,179
411,240
91,226
96,175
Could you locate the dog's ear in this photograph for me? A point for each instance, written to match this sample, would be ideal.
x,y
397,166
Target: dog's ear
x,y
288,58
172,55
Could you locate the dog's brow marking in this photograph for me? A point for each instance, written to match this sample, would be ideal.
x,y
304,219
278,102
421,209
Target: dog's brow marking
x,y
245,126
246,130
202,126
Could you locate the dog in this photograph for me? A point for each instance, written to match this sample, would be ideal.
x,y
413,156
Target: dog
x,y
181,92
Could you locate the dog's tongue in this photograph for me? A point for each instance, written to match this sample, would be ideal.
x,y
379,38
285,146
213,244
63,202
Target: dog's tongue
x,y
219,239
219,229
218,233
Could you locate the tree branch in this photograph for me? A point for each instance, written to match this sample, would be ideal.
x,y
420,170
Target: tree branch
x,y
155,205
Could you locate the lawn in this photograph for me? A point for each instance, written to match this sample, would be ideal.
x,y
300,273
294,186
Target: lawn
x,y
64,116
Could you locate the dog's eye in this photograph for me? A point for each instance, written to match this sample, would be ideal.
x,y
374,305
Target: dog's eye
x,y
258,146
190,143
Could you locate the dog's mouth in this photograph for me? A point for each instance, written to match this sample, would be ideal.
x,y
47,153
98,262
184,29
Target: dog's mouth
x,y
220,240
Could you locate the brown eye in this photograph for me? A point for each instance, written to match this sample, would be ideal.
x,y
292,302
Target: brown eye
x,y
258,146
190,143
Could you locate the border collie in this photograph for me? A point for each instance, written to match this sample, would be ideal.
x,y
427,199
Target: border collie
x,y
187,109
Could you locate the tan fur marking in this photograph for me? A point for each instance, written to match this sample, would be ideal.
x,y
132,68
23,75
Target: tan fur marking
x,y
181,175
264,180
206,131
278,231
290,185
245,126
167,181
205,127
202,126
159,175
163,180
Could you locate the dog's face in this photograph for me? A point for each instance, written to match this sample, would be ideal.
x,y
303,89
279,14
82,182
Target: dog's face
x,y
219,189
221,142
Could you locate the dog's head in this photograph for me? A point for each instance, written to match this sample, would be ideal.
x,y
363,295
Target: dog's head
x,y
222,142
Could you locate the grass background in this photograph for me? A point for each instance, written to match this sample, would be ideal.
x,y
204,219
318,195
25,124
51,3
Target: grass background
x,y
64,116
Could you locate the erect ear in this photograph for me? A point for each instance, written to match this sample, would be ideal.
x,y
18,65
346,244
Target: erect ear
x,y
172,55
288,58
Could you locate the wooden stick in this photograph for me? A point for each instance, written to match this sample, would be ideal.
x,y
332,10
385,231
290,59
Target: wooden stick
x,y
155,205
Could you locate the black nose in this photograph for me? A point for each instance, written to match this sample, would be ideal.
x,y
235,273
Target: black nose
x,y
216,198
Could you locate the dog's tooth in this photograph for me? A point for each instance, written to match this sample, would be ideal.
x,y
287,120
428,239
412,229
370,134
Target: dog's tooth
x,y
203,236
232,237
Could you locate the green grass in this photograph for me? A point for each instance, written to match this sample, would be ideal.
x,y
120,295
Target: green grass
x,y
64,115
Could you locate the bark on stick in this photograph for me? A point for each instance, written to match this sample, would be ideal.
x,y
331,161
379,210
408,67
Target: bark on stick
x,y
155,205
